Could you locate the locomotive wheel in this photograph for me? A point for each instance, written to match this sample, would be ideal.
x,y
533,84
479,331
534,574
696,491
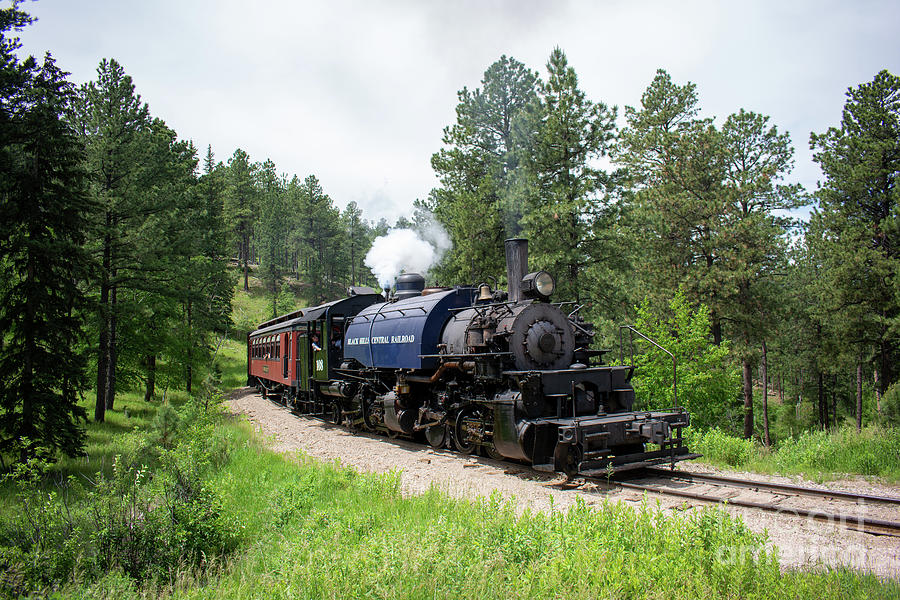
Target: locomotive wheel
x,y
573,458
436,436
368,425
490,452
393,434
460,437
333,413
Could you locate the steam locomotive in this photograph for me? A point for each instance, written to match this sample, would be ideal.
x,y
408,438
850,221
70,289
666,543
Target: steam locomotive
x,y
506,373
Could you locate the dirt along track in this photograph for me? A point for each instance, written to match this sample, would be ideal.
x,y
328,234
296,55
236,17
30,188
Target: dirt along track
x,y
802,542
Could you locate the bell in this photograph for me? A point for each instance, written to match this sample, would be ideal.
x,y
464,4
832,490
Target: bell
x,y
485,293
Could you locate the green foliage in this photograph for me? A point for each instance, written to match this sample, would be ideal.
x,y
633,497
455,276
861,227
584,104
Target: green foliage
x,y
151,516
890,406
161,284
853,235
815,454
326,531
568,215
719,447
707,212
286,300
707,378
44,210
478,169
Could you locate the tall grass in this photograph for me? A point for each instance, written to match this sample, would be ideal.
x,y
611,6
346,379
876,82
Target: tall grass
x,y
298,528
816,454
325,531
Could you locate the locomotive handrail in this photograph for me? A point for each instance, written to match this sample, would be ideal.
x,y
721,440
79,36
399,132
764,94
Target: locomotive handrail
x,y
504,303
582,329
577,308
631,331
400,310
476,355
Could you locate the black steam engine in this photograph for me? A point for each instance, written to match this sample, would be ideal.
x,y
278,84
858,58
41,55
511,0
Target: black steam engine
x,y
507,373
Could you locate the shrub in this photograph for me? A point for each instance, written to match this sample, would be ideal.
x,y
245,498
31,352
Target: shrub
x,y
890,406
707,379
150,517
718,447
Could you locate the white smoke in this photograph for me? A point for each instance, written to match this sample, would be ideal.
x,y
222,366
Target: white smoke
x,y
407,250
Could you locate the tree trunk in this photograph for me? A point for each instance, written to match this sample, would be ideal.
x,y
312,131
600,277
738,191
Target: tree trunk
x,y
151,378
102,354
823,409
834,419
765,379
112,354
246,244
748,399
27,429
858,397
781,388
189,375
877,393
716,330
103,345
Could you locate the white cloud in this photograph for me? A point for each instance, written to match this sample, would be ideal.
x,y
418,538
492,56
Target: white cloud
x,y
358,93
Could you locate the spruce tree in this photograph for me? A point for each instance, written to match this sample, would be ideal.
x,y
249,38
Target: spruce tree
x,y
44,208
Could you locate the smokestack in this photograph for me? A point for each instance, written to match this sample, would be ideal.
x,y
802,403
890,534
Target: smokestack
x,y
516,266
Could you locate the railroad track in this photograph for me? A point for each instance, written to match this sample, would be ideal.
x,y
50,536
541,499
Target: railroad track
x,y
781,491
870,525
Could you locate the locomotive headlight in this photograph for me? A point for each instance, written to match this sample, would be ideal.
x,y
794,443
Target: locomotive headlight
x,y
539,284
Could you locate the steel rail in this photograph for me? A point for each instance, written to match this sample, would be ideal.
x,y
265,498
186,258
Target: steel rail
x,y
772,486
872,526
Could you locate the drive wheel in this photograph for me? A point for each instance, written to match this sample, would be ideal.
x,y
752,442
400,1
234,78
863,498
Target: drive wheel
x,y
369,423
464,445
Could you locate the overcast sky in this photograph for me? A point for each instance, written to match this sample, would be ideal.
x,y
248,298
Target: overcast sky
x,y
358,93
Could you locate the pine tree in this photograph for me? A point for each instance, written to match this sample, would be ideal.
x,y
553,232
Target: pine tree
x,y
241,206
359,240
707,211
272,232
319,239
112,123
477,169
44,207
855,231
674,167
567,219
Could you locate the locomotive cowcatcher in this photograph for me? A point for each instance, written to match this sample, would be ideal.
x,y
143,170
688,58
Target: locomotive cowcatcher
x,y
506,373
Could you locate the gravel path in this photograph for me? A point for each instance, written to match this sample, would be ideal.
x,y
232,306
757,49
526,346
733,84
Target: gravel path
x,y
801,543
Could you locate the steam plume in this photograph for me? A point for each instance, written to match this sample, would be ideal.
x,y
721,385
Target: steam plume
x,y
407,250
